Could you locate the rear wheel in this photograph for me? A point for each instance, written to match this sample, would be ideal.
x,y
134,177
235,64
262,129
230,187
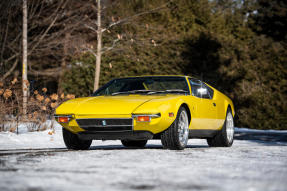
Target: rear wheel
x,y
225,137
134,143
176,136
72,141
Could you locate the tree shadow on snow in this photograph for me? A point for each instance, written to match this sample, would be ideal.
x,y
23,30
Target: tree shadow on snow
x,y
265,138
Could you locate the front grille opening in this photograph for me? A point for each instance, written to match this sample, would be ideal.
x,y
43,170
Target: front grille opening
x,y
106,124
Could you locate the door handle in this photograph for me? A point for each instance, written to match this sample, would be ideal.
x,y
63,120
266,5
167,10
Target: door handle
x,y
214,104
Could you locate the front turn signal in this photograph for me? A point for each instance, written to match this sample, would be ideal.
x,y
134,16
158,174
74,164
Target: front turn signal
x,y
63,119
143,118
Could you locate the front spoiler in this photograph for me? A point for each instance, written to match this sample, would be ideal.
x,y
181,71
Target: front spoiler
x,y
122,135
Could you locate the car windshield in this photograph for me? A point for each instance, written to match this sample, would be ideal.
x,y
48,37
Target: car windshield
x,y
144,85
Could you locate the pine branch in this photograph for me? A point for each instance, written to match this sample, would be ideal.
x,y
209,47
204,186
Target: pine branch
x,y
127,19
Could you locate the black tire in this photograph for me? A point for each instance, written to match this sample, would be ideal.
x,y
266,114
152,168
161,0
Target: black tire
x,y
72,141
170,137
134,143
220,139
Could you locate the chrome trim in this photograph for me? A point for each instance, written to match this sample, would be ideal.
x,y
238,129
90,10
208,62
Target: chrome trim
x,y
114,131
69,117
104,118
149,115
108,125
134,116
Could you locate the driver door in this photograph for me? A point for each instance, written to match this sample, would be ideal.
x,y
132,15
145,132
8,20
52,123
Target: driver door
x,y
204,106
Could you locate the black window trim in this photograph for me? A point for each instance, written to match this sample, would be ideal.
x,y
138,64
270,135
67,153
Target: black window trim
x,y
205,85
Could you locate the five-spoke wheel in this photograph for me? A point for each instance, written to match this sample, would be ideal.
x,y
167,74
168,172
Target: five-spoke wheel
x,y
176,136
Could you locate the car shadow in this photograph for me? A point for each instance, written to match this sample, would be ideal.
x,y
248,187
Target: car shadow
x,y
40,151
148,146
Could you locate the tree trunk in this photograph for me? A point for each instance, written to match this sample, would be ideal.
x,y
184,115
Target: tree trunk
x,y
99,47
24,62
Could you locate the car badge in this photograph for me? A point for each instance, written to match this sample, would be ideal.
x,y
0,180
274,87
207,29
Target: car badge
x,y
104,122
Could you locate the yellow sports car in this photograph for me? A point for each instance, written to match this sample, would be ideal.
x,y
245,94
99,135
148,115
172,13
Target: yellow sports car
x,y
136,109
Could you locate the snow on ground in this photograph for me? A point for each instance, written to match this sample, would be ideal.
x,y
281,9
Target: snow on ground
x,y
32,140
39,161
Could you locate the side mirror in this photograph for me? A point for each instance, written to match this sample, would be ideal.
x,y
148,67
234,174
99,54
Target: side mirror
x,y
202,92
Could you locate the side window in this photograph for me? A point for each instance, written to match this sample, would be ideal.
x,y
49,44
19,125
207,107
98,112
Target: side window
x,y
199,89
210,91
195,86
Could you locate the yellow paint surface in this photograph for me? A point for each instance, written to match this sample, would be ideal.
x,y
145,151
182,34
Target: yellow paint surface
x,y
203,113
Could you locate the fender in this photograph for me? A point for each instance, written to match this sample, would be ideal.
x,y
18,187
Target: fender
x,y
180,103
228,103
164,106
227,100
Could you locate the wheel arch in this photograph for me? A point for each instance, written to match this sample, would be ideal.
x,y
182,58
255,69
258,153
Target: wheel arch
x,y
187,110
183,103
228,104
231,107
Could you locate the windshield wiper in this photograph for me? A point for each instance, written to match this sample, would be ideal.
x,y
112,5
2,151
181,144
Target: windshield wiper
x,y
117,93
176,91
151,92
169,91
133,92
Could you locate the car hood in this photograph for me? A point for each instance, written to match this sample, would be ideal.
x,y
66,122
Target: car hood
x,y
105,105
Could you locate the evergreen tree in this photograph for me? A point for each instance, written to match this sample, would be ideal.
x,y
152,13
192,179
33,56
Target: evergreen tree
x,y
270,19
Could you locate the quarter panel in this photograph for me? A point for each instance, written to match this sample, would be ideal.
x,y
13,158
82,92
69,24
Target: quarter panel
x,y
222,105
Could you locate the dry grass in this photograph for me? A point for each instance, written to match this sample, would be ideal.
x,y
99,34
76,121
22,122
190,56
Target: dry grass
x,y
40,107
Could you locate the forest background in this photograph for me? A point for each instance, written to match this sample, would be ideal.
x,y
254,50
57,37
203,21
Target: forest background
x,y
237,46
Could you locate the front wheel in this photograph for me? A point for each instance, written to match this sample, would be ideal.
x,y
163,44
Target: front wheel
x,y
72,141
225,137
134,143
176,136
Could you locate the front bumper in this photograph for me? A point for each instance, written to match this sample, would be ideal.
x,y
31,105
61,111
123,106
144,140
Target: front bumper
x,y
102,124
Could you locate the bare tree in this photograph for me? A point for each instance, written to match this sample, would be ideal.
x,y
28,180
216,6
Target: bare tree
x,y
99,46
24,57
99,29
43,17
54,35
62,39
58,29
